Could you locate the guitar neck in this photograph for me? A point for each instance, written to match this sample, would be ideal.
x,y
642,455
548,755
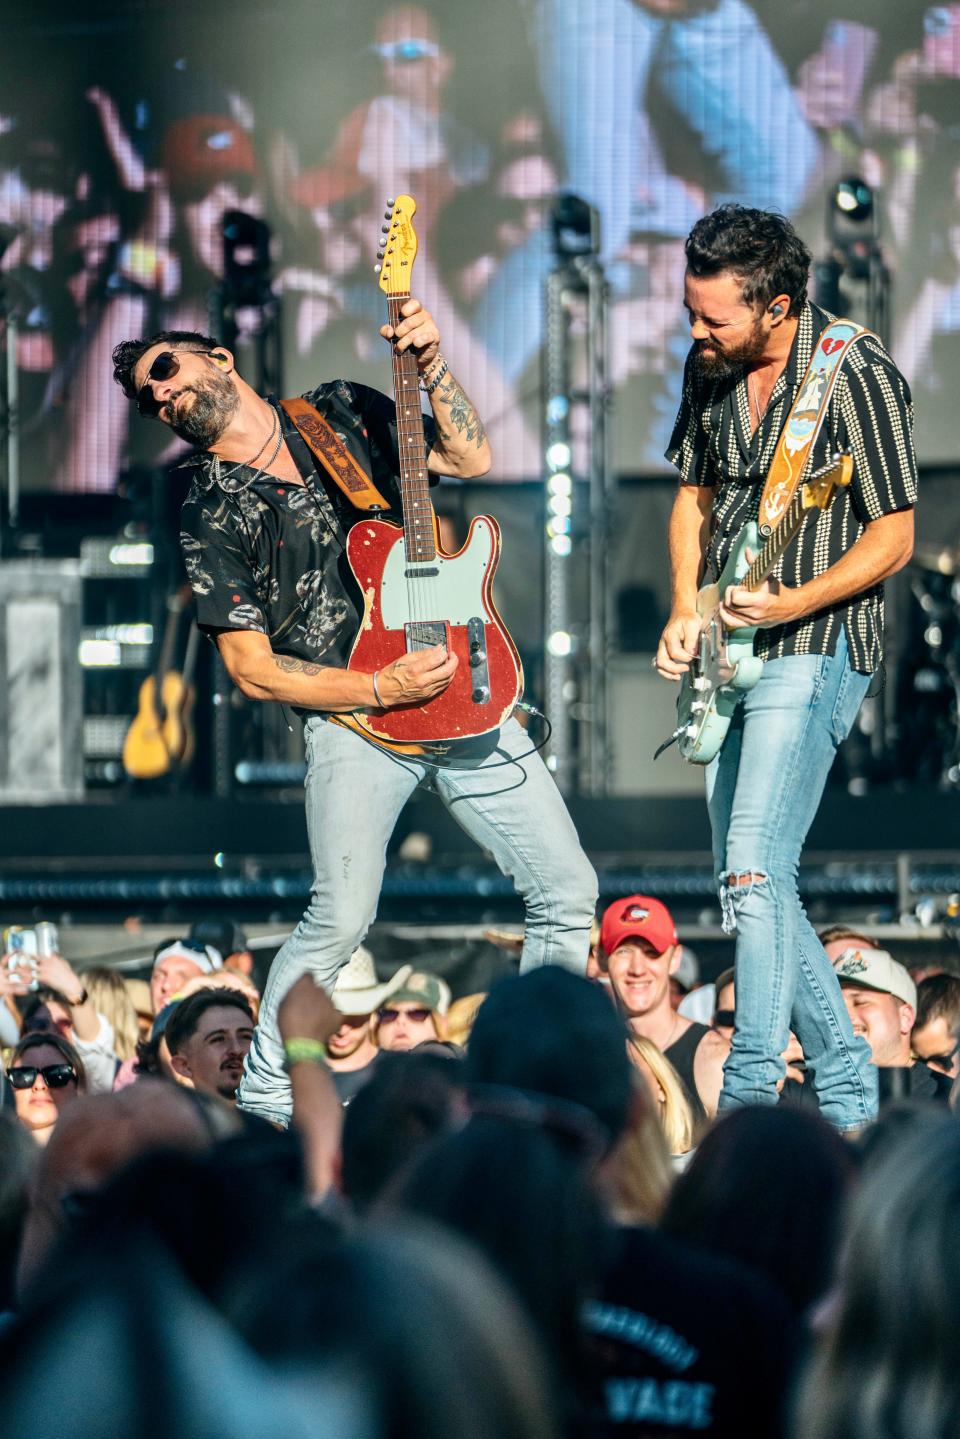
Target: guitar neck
x,y
418,530
769,557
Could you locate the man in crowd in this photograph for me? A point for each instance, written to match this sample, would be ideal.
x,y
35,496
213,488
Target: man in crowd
x,y
228,939
175,962
724,1003
208,1036
881,1000
936,1033
414,1013
639,950
352,1052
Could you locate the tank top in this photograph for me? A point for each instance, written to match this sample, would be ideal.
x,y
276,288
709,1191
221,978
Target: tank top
x,y
681,1055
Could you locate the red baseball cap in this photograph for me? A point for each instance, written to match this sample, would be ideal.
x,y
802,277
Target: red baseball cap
x,y
637,917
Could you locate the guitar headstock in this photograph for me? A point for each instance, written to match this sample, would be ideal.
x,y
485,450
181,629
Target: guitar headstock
x,y
818,491
398,246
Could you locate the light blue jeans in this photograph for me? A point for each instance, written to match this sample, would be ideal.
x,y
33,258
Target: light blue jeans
x,y
763,791
499,792
596,58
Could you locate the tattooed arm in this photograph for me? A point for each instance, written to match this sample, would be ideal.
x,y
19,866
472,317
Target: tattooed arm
x,y
461,447
263,675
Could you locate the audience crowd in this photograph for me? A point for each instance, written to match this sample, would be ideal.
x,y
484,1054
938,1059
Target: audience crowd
x,y
510,1214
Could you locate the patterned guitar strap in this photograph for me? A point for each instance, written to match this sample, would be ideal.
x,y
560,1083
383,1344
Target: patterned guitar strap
x,y
805,420
336,459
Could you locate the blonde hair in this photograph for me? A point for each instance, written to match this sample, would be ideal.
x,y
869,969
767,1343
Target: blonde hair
x,y
676,1116
111,998
641,1171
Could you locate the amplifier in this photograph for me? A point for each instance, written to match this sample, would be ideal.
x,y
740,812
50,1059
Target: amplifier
x,y
41,693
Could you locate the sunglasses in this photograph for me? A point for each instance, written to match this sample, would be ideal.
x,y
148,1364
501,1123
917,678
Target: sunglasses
x,y
164,367
388,1016
55,1076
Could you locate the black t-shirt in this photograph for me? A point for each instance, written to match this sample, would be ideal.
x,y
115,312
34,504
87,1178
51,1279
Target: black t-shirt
x,y
682,1342
916,1081
268,556
349,1082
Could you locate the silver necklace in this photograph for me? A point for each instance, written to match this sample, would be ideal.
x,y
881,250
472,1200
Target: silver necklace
x,y
249,464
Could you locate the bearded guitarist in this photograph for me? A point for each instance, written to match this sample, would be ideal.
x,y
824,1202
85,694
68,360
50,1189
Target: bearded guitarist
x,y
749,382
265,533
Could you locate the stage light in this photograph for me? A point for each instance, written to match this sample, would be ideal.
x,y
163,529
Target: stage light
x,y
558,455
560,504
99,654
140,554
561,545
560,484
853,197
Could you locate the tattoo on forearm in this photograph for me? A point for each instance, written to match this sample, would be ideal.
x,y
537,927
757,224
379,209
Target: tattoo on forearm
x,y
290,664
463,416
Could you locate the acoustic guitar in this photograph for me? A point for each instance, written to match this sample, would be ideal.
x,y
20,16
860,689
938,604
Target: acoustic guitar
x,y
155,740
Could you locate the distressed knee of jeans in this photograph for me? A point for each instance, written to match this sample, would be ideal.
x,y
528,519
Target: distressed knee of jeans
x,y
735,889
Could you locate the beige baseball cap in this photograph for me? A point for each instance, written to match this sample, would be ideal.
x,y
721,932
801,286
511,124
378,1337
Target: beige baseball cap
x,y
875,969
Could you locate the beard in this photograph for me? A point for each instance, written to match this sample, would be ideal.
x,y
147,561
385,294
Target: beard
x,y
215,405
717,364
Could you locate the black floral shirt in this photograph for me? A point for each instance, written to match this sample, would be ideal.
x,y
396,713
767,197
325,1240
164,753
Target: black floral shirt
x,y
268,556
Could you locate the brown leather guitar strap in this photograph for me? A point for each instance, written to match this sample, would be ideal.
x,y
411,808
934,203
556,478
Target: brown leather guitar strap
x,y
334,456
805,420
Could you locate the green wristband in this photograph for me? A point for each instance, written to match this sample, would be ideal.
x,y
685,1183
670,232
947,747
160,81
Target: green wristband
x,y
304,1051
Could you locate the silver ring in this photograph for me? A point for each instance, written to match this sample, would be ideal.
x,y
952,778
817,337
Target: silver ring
x,y
653,663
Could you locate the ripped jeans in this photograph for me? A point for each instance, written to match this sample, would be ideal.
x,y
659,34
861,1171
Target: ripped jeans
x,y
763,791
502,796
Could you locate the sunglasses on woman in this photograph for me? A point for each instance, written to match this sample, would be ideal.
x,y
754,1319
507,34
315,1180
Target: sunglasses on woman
x,y
55,1076
390,1016
164,367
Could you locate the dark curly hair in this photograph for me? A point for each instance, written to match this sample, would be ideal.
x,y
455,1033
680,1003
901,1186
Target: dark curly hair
x,y
760,247
128,353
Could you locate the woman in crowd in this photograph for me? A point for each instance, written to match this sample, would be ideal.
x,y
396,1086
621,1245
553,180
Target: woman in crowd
x,y
46,1074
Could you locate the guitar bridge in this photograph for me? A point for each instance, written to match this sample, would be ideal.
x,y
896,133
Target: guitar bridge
x,y
424,634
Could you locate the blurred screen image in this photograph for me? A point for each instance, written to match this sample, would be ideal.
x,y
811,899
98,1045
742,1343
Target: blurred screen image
x,y
126,146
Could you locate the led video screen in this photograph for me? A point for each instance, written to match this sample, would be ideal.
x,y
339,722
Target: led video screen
x,y
126,138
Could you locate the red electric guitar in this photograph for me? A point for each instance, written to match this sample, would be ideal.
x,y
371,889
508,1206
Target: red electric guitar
x,y
415,594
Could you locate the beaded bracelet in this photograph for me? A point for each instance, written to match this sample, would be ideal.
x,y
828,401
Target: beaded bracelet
x,y
310,1051
429,389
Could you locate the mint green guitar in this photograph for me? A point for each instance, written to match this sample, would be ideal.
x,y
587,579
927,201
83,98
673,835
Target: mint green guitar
x,y
726,666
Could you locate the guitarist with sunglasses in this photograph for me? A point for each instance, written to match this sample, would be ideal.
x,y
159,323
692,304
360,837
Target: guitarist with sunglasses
x,y
264,534
752,388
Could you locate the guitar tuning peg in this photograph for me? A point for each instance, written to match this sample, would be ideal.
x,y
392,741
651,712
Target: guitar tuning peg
x,y
388,215
379,254
377,269
391,202
384,229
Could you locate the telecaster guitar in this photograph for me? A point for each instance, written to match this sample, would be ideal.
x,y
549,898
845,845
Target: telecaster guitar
x,y
415,594
726,666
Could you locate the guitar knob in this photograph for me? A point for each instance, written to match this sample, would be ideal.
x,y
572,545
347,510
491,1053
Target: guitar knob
x,y
701,683
691,731
697,707
480,695
477,658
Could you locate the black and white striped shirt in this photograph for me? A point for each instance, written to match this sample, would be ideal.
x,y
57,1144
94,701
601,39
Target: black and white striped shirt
x,y
870,415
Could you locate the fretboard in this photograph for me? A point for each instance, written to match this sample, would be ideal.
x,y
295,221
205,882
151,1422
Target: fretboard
x,y
414,481
767,560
